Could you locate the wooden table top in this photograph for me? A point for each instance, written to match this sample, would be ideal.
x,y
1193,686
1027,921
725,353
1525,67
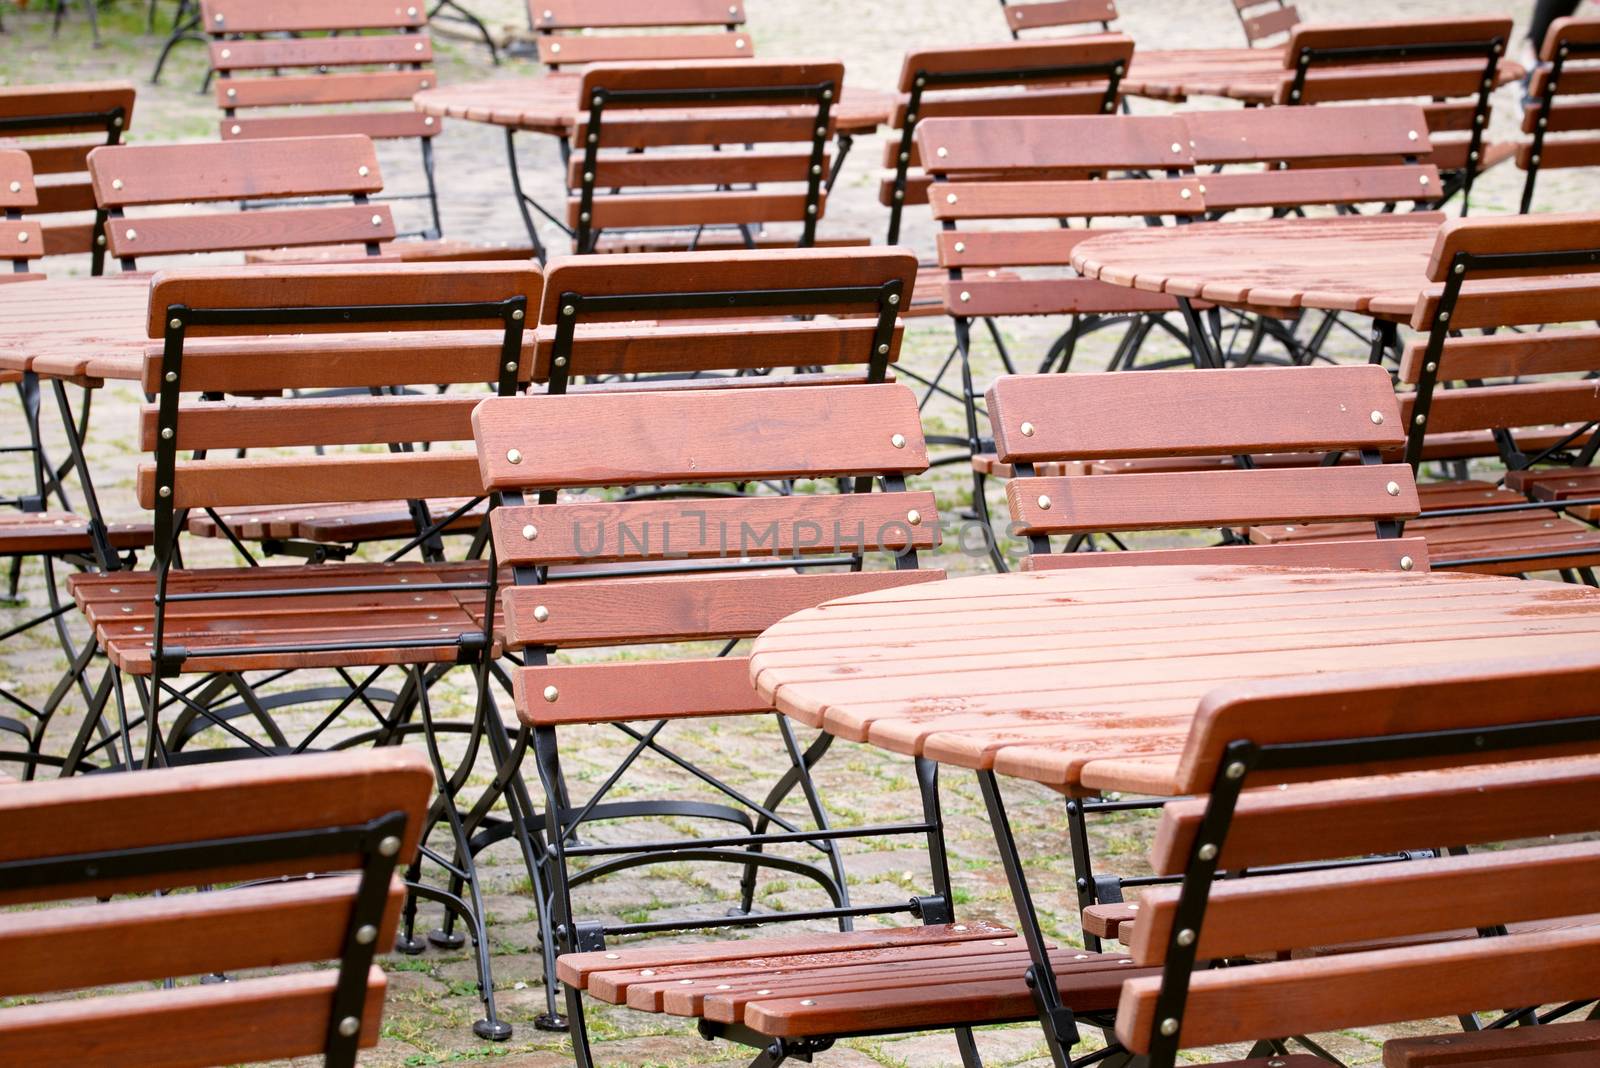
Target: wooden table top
x,y
80,328
549,104
1087,680
1252,75
1376,264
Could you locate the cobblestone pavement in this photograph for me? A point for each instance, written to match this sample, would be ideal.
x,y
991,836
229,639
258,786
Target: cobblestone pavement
x,y
432,1000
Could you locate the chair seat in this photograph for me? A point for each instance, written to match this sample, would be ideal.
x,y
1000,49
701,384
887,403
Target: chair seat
x,y
909,978
288,631
63,532
420,250
1559,1045
985,464
333,524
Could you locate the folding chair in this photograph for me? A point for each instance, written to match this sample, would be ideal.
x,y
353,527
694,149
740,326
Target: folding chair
x,y
564,31
346,68
1042,171
1508,748
1561,101
1077,76
1055,14
1261,19
261,826
643,177
240,630
53,124
1512,390
1452,62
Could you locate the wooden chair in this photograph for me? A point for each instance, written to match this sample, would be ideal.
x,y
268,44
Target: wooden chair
x,y
287,169
325,69
640,173
1393,761
249,331
619,22
1452,62
262,825
1261,19
1514,388
21,241
1561,101
58,126
1022,15
1078,76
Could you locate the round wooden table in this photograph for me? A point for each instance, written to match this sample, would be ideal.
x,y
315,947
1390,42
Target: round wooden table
x,y
1087,680
1374,264
76,328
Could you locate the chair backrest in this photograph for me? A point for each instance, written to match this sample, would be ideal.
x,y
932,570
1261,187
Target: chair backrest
x,y
1390,762
742,312
1451,62
1057,14
58,126
583,17
1348,156
1261,19
1563,99
1077,76
1496,273
1047,168
1208,414
265,330
289,169
21,241
696,145
263,822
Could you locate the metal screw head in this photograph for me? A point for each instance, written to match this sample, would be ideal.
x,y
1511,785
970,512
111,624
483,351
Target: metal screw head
x,y
232,93
1027,430
822,131
1236,770
1444,317
898,440
363,170
965,296
131,234
1411,135
227,53
914,517
166,433
961,246
883,349
1419,419
389,846
568,309
588,176
816,168
738,42
517,315
1406,563
530,532
1208,852
894,298
541,613
428,121
514,456
811,209
116,183
349,1026
551,693
1169,1026
1185,193
23,237
1044,502
511,365
1176,147
1431,366
1377,418
366,934
234,129
171,376
807,1002
165,491
1392,489
217,18
1422,179
377,220
412,12
1186,937
941,152
950,198
583,216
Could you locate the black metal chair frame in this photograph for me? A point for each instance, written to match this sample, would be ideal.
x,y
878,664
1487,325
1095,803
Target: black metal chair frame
x,y
1569,50
114,122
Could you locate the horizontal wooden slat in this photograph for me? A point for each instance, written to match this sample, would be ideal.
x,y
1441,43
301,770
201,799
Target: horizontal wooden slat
x,y
1562,152
1013,62
1193,413
1386,554
616,14
335,421
1564,117
1053,296
1467,30
1010,248
340,88
56,157
699,529
273,53
271,364
1329,185
1278,20
667,348
1513,302
693,209
1533,404
222,483
1273,135
21,240
378,125
1507,355
285,16
1482,1049
1515,234
747,126
1044,144
1044,200
129,175
1442,78
1030,100
801,75
698,435
687,607
697,168
250,1020
61,196
1159,501
619,48
617,693
1040,14
234,231
42,102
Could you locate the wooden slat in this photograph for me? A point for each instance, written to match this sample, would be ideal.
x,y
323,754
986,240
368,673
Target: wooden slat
x,y
1533,404
617,693
67,98
667,348
640,129
1016,57
1467,30
1052,143
1046,296
1272,134
268,424
1044,200
1506,355
702,529
16,180
726,75
1512,302
285,16
1387,554
617,48
225,483
1562,152
340,88
696,168
1027,99
268,365
64,196
1330,185
273,53
1277,20
619,14
21,240
251,1020
1439,79
385,125
1009,248
1562,1045
1517,233
1193,413
228,232
693,209
698,435
1042,14
202,172
679,608
56,157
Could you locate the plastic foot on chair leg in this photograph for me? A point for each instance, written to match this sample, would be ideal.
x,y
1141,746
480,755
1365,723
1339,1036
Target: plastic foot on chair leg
x,y
550,1021
493,1030
447,939
410,945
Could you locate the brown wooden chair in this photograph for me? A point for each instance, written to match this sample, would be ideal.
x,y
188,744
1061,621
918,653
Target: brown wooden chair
x,y
145,177
1452,62
619,22
1076,76
1513,388
1400,761
1562,101
658,157
1261,19
315,70
21,241
58,125
226,337
1023,15
263,825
